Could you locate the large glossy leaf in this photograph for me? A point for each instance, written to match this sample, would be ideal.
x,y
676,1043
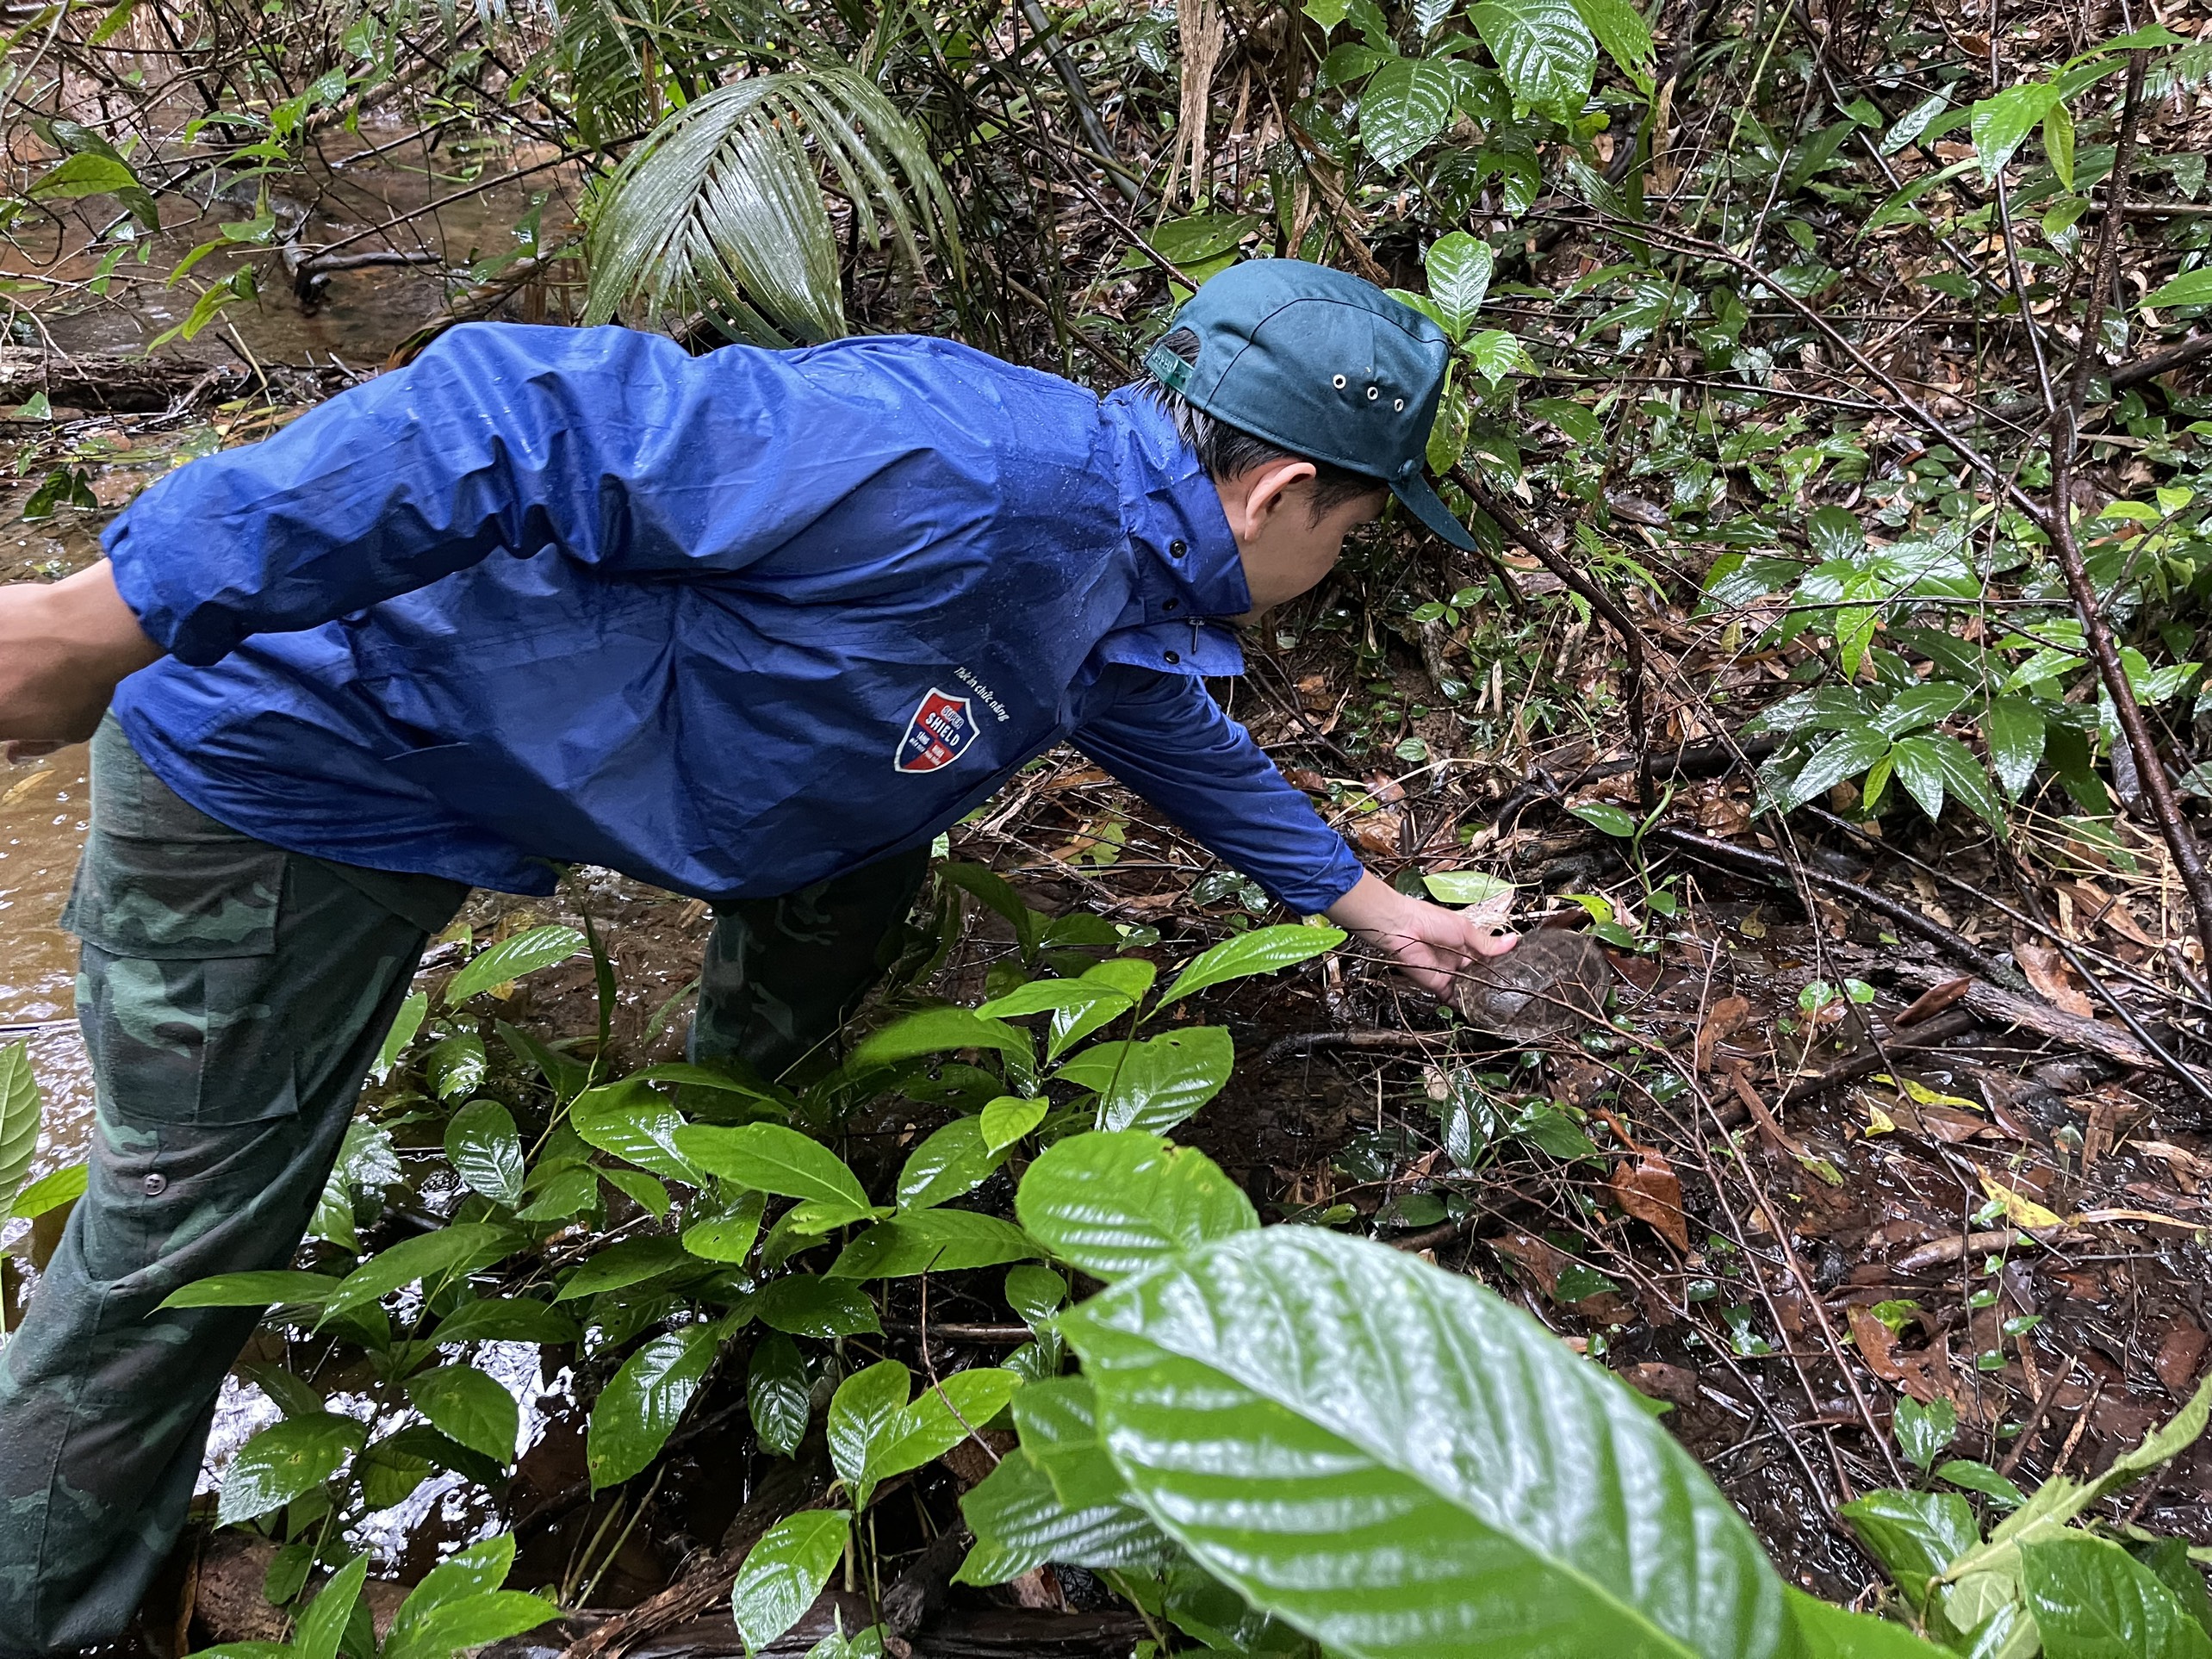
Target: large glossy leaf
x,y
19,1121
949,1162
785,1571
634,1261
1399,1463
1053,997
526,953
1544,50
1621,30
769,1157
2015,731
1915,1535
48,1193
640,1408
2001,122
2093,1600
826,1309
486,1150
1079,1511
932,1242
282,1462
434,1258
1264,950
324,1625
1116,1204
455,1065
470,1623
458,1599
1826,1631
505,1318
277,1288
725,1229
470,1408
1004,1121
634,1122
777,1395
1130,975
1405,108
1459,267
935,1031
876,1433
1156,1082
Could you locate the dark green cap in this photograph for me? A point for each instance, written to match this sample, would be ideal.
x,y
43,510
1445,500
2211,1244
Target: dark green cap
x,y
1321,362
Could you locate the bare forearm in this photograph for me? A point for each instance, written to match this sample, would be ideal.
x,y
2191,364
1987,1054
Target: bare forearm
x,y
64,646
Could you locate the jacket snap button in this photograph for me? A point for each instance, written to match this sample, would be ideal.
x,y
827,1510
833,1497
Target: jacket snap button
x,y
1175,657
156,1186
1176,549
1171,605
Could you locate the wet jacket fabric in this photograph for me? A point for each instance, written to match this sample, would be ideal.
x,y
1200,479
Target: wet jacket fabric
x,y
730,624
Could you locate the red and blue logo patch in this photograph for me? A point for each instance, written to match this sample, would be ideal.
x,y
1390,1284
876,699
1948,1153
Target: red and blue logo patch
x,y
939,733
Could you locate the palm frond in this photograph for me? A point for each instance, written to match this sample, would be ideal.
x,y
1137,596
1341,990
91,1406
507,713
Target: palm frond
x,y
721,209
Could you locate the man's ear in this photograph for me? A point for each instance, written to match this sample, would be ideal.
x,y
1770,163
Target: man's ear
x,y
1260,493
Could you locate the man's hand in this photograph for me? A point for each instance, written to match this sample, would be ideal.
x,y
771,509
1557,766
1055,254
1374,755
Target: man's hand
x,y
1431,945
64,646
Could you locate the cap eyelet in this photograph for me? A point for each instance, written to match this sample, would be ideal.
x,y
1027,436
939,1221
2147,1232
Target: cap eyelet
x,y
1339,383
1374,392
1170,605
1400,404
1174,656
1176,549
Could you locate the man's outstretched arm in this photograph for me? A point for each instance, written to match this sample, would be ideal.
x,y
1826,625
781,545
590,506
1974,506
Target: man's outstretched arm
x,y
63,647
1170,742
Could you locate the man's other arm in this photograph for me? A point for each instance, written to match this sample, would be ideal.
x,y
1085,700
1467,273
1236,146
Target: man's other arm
x,y
1166,738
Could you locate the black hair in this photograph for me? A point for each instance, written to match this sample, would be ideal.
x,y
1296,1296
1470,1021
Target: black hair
x,y
1225,451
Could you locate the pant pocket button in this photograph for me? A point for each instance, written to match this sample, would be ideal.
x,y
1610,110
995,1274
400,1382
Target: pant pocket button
x,y
156,1186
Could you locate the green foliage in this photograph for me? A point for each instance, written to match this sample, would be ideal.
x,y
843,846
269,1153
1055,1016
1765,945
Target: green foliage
x,y
20,1114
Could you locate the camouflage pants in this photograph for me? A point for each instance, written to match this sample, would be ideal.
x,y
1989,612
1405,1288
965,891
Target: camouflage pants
x,y
233,995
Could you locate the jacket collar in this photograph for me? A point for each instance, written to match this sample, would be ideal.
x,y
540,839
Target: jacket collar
x,y
1188,578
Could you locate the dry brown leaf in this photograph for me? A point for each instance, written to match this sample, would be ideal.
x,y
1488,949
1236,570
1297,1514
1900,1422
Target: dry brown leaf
x,y
1312,782
1376,833
2053,978
2180,1353
1722,1020
2095,905
1934,1000
1649,1190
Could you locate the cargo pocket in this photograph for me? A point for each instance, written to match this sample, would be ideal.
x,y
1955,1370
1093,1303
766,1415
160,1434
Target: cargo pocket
x,y
178,989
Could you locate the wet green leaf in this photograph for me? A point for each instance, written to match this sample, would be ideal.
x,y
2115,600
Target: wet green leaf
x,y
20,1111
634,1122
507,1319
1155,1083
1113,1204
280,1288
617,1267
455,1065
470,1408
1419,1503
777,1394
1915,1535
2093,1600
1263,950
932,1242
1543,49
821,1308
486,1150
949,1162
725,1229
285,1462
1004,1121
434,1258
785,1571
1922,1431
769,1157
876,1433
640,1408
511,958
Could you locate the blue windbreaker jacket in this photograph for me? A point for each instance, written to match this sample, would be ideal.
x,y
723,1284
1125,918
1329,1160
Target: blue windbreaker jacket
x,y
730,624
